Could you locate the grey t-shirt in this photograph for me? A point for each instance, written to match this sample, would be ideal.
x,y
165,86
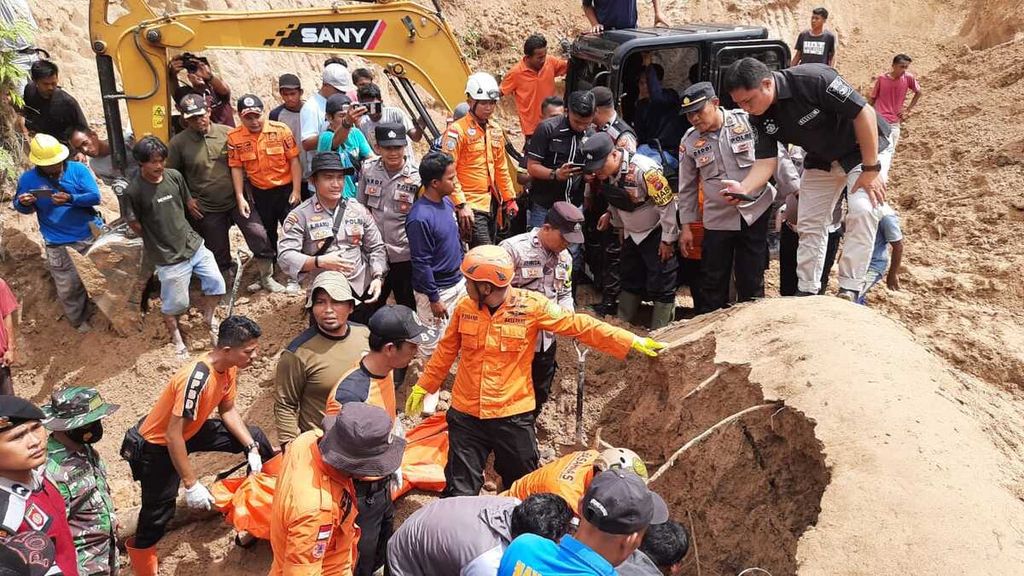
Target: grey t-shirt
x,y
638,564
388,115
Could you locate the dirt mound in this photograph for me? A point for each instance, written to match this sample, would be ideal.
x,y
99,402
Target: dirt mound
x,y
991,23
817,440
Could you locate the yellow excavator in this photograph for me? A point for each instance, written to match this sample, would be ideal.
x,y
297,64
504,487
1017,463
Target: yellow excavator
x,y
413,45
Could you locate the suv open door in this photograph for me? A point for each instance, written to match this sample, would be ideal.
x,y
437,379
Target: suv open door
x,y
774,53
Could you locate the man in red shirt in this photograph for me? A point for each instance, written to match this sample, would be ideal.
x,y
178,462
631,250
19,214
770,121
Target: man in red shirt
x,y
890,93
532,80
8,306
27,500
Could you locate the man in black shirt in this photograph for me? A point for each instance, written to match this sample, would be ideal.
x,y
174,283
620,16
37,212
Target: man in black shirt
x,y
158,199
48,109
816,45
847,146
554,160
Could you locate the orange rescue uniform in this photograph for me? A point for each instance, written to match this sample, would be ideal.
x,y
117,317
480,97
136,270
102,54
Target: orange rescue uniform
x,y
496,351
480,165
530,87
569,477
196,389
313,523
359,385
266,156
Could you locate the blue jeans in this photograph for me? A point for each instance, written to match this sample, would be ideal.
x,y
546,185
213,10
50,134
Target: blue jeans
x,y
535,216
175,278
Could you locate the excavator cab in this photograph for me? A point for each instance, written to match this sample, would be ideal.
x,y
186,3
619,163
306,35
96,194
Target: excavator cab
x,y
680,56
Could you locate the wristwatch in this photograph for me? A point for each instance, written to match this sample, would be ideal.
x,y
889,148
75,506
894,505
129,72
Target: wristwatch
x,y
553,175
252,446
460,206
871,167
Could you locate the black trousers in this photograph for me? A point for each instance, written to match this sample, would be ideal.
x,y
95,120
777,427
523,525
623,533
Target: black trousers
x,y
643,273
789,240
214,228
513,440
484,228
397,281
690,276
376,521
272,207
6,382
155,471
725,251
543,373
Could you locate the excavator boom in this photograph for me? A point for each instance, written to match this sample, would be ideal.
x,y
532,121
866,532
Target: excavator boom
x,y
406,39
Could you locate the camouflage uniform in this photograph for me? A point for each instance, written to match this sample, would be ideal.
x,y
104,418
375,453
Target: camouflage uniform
x,y
81,479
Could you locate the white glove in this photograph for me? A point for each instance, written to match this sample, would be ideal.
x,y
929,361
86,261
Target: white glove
x,y
396,481
198,497
255,461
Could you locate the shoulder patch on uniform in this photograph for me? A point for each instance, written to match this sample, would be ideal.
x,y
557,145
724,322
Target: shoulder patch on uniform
x,y
657,187
323,536
839,89
193,388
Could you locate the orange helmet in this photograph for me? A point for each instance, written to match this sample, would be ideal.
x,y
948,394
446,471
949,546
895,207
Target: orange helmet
x,y
489,263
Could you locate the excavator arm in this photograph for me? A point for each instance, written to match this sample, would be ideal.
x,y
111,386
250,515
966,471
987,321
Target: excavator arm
x,y
409,41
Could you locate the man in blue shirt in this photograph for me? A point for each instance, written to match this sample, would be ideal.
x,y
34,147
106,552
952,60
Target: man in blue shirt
x,y
435,250
614,515
616,14
62,193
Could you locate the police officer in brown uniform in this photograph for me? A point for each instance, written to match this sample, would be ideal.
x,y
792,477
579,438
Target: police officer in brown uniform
x,y
387,187
641,202
543,264
720,146
328,232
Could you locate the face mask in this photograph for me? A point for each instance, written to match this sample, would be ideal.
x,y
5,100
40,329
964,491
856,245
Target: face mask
x,y
90,434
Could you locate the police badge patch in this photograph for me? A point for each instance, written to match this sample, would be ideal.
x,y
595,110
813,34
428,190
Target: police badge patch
x,y
839,89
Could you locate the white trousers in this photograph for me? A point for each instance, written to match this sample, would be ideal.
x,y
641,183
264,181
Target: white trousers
x,y
819,192
449,297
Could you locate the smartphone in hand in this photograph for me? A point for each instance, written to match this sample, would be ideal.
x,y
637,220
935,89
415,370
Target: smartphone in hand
x,y
42,192
738,196
372,108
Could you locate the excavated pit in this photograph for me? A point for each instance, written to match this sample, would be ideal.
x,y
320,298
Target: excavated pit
x,y
750,482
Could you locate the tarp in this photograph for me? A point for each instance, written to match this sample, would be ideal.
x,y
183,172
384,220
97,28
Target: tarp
x,y
246,501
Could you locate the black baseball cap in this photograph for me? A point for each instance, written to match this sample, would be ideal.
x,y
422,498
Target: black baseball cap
x,y
390,135
15,411
249,104
696,96
619,502
398,322
289,81
595,150
568,219
336,103
192,105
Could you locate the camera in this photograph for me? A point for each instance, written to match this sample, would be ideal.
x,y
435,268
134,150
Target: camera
x,y
190,62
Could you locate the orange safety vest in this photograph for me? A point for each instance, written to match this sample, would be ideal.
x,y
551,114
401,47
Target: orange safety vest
x,y
569,477
480,168
313,527
496,350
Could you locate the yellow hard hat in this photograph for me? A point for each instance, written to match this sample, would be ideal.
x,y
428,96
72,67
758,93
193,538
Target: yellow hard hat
x,y
45,150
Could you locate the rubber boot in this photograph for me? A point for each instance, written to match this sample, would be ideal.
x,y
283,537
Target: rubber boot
x,y
144,560
629,304
663,314
265,267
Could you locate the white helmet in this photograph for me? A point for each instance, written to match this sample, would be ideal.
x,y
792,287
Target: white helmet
x,y
482,86
622,459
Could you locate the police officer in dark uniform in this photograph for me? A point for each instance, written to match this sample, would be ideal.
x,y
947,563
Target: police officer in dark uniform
x,y
554,162
847,146
604,247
